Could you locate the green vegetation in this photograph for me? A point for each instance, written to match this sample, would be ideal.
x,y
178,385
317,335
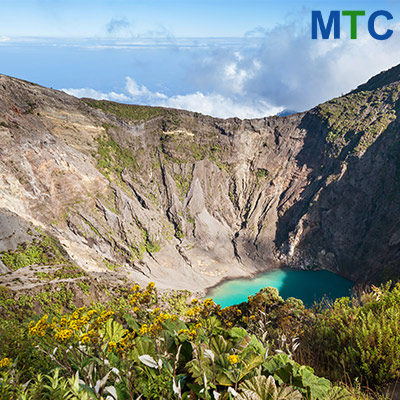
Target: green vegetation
x,y
112,160
129,111
180,147
85,287
64,272
356,120
179,232
148,244
215,156
359,337
94,230
261,173
44,250
183,184
144,344
111,266
153,247
215,152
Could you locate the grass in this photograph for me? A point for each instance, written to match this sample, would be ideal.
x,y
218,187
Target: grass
x,y
183,184
129,111
355,121
42,251
112,160
64,272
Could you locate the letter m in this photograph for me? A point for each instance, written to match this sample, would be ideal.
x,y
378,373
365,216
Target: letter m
x,y
317,20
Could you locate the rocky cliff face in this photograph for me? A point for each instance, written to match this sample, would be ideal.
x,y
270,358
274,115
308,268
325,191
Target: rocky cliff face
x,y
145,193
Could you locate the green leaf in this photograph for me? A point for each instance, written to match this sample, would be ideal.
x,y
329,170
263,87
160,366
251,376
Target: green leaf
x,y
237,333
114,331
225,378
198,372
219,345
250,362
132,323
143,346
317,387
263,388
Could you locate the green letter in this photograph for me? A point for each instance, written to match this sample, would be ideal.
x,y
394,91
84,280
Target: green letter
x,y
353,21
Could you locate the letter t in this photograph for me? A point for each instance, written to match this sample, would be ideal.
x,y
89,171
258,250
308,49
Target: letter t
x,y
353,21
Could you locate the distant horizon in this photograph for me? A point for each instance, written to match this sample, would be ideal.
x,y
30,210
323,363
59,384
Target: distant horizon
x,y
246,59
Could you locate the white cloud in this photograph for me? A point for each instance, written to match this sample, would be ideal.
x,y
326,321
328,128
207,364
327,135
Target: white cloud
x,y
95,94
289,69
139,92
220,106
211,104
285,70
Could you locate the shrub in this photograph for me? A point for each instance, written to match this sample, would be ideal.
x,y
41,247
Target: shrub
x,y
359,337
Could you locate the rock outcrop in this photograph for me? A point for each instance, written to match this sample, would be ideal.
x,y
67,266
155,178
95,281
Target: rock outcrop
x,y
187,200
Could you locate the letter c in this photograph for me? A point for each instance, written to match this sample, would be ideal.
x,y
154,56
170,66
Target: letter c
x,y
371,25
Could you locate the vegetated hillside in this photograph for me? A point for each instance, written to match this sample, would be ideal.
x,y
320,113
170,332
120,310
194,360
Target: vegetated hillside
x,y
147,193
143,345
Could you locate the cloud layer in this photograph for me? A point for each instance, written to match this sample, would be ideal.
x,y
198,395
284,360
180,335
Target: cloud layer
x,y
211,104
285,70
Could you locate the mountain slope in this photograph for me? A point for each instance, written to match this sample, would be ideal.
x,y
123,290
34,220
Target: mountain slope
x,y
144,193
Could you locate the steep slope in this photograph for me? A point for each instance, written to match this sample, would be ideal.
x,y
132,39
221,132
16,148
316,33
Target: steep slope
x,y
146,193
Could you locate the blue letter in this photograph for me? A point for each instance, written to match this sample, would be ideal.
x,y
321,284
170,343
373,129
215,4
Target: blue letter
x,y
334,19
371,25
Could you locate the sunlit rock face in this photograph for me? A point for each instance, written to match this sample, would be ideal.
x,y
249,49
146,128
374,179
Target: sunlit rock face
x,y
187,200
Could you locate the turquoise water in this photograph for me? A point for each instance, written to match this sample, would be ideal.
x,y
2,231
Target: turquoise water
x,y
309,286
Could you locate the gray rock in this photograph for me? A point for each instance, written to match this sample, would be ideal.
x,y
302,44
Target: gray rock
x,y
188,200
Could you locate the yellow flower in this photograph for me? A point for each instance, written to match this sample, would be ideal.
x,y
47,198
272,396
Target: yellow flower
x,y
233,359
135,309
85,339
252,317
154,329
40,328
193,333
111,346
63,335
151,285
190,313
73,326
105,315
194,301
144,329
208,302
155,311
135,288
75,314
133,300
5,362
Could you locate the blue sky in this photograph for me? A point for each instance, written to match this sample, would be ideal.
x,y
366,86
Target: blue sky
x,y
182,18
246,58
